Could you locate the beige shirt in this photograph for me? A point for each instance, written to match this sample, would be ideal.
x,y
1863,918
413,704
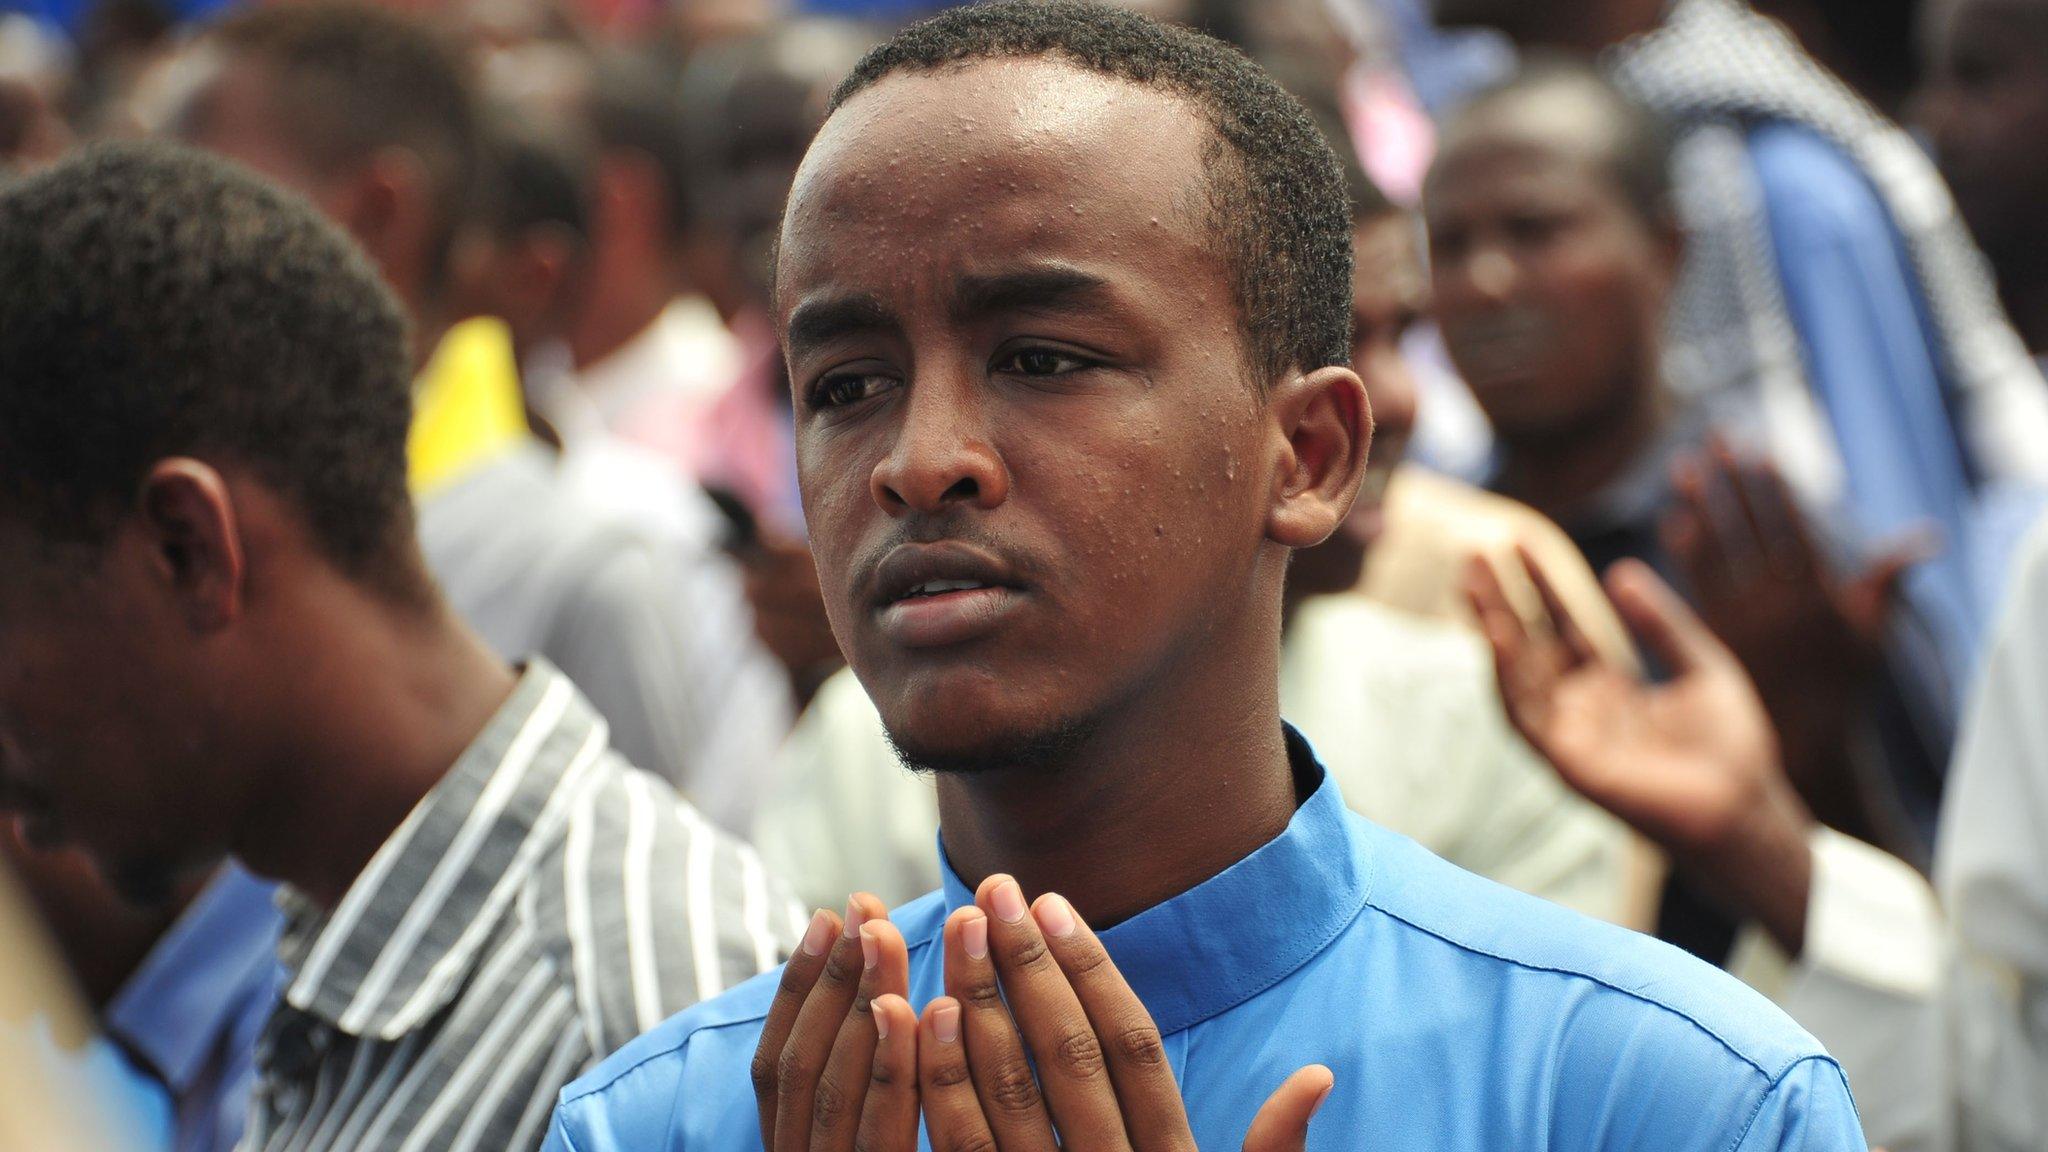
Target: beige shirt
x,y
1401,711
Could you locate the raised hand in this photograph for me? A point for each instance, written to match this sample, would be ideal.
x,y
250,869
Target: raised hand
x,y
1691,763
818,1051
1810,637
1102,1078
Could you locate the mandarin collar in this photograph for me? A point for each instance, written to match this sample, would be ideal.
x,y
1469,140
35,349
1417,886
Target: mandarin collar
x,y
1249,927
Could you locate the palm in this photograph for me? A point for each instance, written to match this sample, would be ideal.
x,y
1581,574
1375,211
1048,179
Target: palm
x,y
1679,761
1676,760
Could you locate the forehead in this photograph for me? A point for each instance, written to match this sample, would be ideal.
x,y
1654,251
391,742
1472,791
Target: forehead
x,y
927,176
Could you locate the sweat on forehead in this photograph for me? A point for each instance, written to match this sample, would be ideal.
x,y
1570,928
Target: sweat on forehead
x,y
1270,193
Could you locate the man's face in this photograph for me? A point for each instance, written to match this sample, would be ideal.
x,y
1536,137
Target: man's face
x,y
1389,296
1549,284
108,735
1036,474
1985,110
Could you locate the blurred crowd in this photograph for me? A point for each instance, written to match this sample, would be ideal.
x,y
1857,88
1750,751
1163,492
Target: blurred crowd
x,y
1697,581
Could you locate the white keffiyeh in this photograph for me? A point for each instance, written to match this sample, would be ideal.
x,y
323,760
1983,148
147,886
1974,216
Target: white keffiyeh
x,y
1716,67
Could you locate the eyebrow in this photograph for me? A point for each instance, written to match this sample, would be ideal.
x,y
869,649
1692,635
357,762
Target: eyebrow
x,y
1051,285
816,322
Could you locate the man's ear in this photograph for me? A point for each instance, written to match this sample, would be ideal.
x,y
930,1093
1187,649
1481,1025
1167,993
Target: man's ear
x,y
387,204
1326,423
187,517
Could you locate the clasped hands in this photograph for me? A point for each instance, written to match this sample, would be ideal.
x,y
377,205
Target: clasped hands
x,y
1038,1043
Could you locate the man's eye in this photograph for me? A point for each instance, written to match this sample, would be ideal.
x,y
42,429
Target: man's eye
x,y
840,389
1040,362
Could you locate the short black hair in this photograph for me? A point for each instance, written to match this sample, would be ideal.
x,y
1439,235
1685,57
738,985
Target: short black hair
x,y
1276,195
1639,150
536,173
350,79
159,302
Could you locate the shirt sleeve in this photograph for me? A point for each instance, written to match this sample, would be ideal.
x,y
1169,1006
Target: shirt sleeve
x,y
1807,1110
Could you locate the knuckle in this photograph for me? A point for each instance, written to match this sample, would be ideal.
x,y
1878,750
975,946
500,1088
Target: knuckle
x,y
1029,953
1079,1055
830,1104
982,994
882,1074
839,970
1013,1091
1141,1046
968,1142
950,1074
1086,961
790,1071
765,1073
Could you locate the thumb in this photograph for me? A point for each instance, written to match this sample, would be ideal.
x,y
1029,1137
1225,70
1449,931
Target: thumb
x,y
1282,1123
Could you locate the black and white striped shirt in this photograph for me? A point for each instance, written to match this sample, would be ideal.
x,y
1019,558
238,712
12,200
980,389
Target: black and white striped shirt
x,y
542,906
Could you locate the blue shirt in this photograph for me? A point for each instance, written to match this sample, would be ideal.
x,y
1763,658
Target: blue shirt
x,y
188,1019
1874,359
1459,1016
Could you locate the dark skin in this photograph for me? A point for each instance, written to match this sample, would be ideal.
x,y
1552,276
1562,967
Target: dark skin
x,y
207,683
1551,285
1015,361
1692,763
1583,26
1984,108
1016,364
1389,296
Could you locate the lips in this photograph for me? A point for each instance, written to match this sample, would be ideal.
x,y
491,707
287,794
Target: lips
x,y
941,595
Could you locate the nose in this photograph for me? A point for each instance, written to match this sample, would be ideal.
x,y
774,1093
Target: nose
x,y
1491,273
943,456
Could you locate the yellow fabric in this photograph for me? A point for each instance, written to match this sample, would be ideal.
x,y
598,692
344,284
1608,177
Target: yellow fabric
x,y
467,407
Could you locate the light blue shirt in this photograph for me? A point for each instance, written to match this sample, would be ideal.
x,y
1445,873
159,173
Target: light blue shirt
x,y
1459,1016
187,1021
1873,356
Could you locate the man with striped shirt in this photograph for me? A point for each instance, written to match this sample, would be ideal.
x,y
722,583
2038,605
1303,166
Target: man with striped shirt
x,y
217,635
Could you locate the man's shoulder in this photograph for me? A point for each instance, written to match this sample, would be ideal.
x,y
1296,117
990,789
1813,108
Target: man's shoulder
x,y
647,906
1630,984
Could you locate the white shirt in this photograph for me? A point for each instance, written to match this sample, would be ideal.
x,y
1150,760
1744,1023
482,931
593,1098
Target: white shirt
x,y
1402,712
1941,1021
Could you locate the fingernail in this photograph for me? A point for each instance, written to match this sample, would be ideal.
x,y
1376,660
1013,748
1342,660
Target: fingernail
x,y
1319,1100
1056,916
870,950
881,1022
818,934
974,937
1009,902
854,918
946,1023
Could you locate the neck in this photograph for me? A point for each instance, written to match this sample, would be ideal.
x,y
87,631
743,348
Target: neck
x,y
2026,301
1201,780
616,316
1558,474
382,702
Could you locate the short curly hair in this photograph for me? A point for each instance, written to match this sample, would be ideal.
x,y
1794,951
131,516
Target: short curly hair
x,y
1277,200
158,302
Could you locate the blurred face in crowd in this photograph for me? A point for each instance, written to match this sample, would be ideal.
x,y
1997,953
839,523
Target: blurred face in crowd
x,y
1042,487
1550,282
1985,111
1389,296
111,719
